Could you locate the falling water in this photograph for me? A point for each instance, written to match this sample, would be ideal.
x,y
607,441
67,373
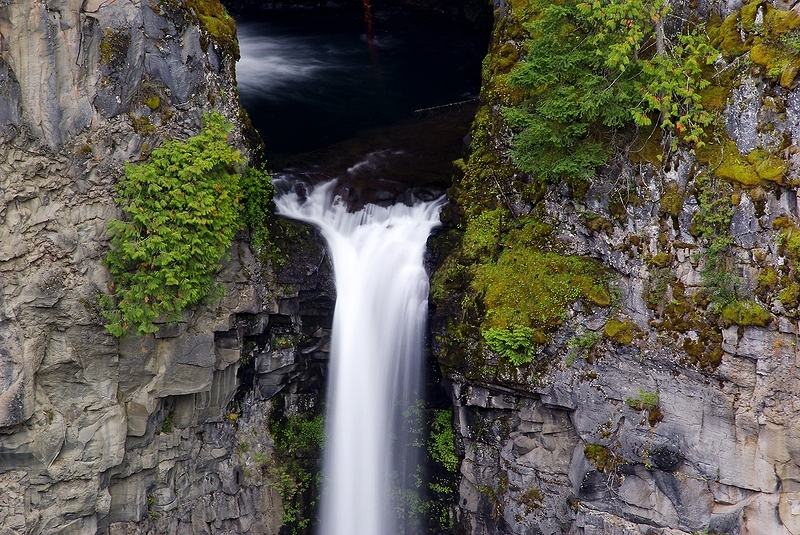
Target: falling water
x,y
377,343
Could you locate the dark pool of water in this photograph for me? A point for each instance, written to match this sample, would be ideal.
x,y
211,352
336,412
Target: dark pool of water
x,y
312,78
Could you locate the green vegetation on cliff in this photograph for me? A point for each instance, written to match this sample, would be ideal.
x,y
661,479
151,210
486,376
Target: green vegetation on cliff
x,y
184,206
575,92
593,68
297,472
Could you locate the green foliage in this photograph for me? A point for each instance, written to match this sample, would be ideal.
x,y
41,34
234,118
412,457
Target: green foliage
x,y
581,344
672,86
442,442
166,425
298,442
590,68
183,209
712,223
442,476
257,192
517,343
299,435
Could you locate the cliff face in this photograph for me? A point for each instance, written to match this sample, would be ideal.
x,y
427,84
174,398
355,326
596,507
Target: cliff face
x,y
666,405
96,434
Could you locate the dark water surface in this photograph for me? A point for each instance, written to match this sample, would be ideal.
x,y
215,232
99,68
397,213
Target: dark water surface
x,y
312,78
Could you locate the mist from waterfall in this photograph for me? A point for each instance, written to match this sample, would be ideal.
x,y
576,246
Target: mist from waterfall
x,y
376,354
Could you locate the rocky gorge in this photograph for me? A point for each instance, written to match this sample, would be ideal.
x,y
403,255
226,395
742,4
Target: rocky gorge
x,y
659,399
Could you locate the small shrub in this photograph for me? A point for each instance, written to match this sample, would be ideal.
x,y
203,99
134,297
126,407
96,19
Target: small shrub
x,y
257,192
579,90
580,345
601,457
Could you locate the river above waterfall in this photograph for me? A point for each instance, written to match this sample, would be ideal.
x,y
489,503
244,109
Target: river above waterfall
x,y
312,78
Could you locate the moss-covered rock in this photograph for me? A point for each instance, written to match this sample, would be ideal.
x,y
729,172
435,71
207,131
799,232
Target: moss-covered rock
x,y
745,312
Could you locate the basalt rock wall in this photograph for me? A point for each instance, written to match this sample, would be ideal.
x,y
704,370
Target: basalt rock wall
x,y
649,412
139,435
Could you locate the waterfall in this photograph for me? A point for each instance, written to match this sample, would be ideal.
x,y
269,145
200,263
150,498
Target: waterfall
x,y
376,353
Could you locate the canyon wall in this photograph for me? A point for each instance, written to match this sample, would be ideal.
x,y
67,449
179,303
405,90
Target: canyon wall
x,y
142,434
646,410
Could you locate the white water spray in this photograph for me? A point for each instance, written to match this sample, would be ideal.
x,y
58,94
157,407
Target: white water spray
x,y
377,344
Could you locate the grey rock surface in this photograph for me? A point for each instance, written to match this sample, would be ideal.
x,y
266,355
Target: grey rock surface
x,y
569,450
99,435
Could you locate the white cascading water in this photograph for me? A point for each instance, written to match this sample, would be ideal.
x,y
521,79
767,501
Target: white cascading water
x,y
376,354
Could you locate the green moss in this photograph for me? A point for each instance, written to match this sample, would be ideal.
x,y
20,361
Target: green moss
x,y
153,102
648,147
745,312
601,457
215,20
660,260
530,287
671,201
598,223
771,44
529,231
483,234
790,296
727,36
141,125
715,97
790,240
446,280
621,331
767,166
782,222
767,279
735,168
532,499
114,46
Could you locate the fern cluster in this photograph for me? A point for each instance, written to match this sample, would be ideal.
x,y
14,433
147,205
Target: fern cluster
x,y
184,206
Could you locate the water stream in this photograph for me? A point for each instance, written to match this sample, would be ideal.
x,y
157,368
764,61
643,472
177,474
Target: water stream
x,y
376,354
